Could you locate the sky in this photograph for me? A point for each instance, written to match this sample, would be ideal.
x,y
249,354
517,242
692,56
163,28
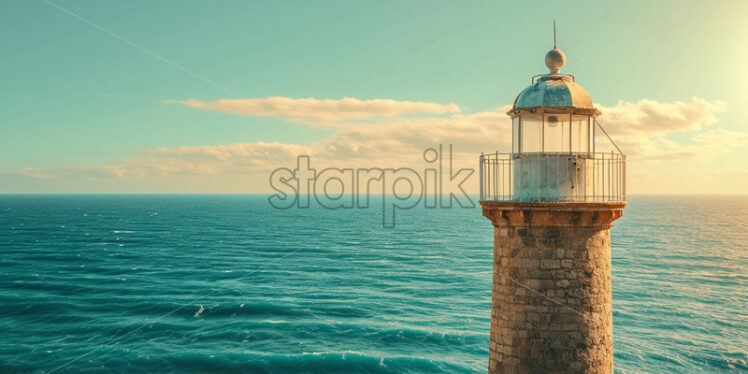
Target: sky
x,y
210,97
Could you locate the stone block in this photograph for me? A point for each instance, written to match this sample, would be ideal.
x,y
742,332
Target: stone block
x,y
550,264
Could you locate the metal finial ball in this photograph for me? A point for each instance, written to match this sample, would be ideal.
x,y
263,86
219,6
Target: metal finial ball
x,y
554,60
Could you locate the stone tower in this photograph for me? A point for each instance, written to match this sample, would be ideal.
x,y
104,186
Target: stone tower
x,y
552,202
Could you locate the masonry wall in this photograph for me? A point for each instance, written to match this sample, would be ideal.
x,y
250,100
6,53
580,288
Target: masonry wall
x,y
551,307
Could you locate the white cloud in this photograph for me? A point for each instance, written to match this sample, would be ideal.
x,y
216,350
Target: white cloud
x,y
392,138
644,130
320,112
656,118
213,160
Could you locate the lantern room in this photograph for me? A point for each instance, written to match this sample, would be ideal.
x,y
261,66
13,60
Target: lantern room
x,y
553,156
554,114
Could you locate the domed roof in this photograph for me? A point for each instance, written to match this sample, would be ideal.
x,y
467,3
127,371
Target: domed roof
x,y
554,90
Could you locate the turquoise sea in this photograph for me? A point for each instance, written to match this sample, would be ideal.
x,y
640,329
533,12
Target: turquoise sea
x,y
222,283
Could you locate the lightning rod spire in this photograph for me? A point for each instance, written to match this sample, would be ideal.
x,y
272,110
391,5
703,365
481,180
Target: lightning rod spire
x,y
554,34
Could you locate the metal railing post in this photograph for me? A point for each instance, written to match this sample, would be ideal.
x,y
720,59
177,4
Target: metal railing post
x,y
480,175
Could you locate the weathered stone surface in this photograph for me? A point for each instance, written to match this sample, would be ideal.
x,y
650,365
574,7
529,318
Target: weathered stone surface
x,y
551,304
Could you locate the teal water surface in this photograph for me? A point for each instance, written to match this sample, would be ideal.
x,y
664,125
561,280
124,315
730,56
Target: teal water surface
x,y
218,283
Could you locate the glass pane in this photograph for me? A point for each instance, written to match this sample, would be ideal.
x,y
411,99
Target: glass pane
x,y
515,134
531,133
580,135
553,134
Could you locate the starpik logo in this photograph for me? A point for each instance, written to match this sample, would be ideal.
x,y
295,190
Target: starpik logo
x,y
353,188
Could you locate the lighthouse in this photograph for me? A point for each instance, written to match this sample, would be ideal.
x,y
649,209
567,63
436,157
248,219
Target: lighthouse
x,y
552,202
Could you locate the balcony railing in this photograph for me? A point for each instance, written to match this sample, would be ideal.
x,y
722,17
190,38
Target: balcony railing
x,y
578,177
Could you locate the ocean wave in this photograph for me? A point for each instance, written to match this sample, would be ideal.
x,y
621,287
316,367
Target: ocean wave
x,y
348,361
